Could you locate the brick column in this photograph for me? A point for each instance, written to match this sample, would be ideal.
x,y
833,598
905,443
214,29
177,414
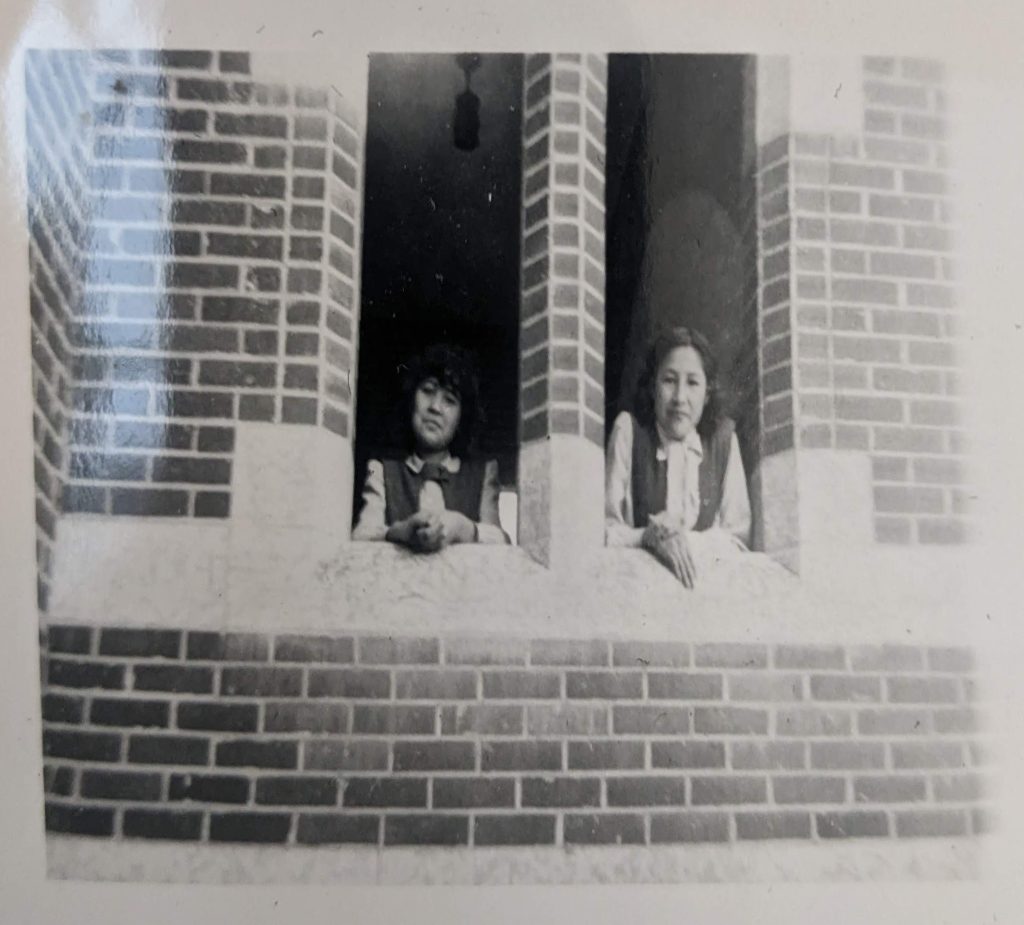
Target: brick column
x,y
206,300
56,87
562,307
861,422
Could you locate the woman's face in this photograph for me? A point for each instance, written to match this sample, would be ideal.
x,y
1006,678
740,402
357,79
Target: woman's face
x,y
680,392
435,415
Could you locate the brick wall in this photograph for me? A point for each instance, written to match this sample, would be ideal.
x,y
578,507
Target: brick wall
x,y
58,239
563,272
220,282
202,736
859,319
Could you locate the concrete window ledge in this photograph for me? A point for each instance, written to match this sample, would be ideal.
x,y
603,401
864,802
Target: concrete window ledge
x,y
230,575
922,859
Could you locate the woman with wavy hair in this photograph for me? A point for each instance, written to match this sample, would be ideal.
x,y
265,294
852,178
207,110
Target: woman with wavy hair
x,y
673,465
436,493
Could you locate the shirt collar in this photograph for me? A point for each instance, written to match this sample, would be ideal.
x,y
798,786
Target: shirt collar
x,y
690,442
451,463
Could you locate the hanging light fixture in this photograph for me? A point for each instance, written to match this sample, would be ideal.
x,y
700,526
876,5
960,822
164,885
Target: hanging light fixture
x,y
466,124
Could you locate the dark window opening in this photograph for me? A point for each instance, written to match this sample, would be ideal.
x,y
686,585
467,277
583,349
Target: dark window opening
x,y
440,242
681,234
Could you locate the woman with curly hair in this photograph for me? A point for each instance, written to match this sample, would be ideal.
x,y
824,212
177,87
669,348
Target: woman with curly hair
x,y
673,466
436,494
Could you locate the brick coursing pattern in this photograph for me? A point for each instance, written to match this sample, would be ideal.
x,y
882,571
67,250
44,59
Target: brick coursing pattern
x,y
562,281
859,320
59,237
217,271
315,740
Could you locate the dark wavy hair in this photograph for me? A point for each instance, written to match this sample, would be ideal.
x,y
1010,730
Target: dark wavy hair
x,y
455,369
662,345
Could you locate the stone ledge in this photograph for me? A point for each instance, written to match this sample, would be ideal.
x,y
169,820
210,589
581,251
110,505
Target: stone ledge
x,y
922,859
232,575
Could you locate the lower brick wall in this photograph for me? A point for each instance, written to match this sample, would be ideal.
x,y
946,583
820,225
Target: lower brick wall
x,y
316,740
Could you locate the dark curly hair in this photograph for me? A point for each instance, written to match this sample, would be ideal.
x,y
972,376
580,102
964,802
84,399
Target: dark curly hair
x,y
662,345
455,369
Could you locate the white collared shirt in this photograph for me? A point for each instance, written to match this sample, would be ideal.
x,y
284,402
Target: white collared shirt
x,y
682,498
372,523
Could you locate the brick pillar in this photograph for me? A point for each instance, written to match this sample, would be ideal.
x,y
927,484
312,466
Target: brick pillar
x,y
562,307
862,440
211,300
56,87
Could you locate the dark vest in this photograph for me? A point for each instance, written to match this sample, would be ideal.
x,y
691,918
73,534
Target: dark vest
x,y
462,490
649,485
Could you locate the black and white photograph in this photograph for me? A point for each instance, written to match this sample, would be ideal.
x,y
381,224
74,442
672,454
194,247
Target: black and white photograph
x,y
505,466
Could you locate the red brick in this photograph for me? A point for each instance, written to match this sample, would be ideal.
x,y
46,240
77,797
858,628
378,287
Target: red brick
x,y
852,825
931,823
689,827
564,719
313,649
212,715
516,685
896,379
387,719
728,790
426,830
143,643
731,655
896,151
603,685
651,720
690,754
835,756
845,687
771,688
922,690
518,829
257,753
305,790
556,791
568,652
261,682
306,717
385,791
208,788
337,829
730,720
603,829
434,756
773,825
390,650
227,647
898,499
917,755
486,719
521,755
485,651
168,749
646,791
120,785
431,685
355,683
956,659
250,827
872,349
619,754
958,788
849,231
811,722
473,792
892,789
